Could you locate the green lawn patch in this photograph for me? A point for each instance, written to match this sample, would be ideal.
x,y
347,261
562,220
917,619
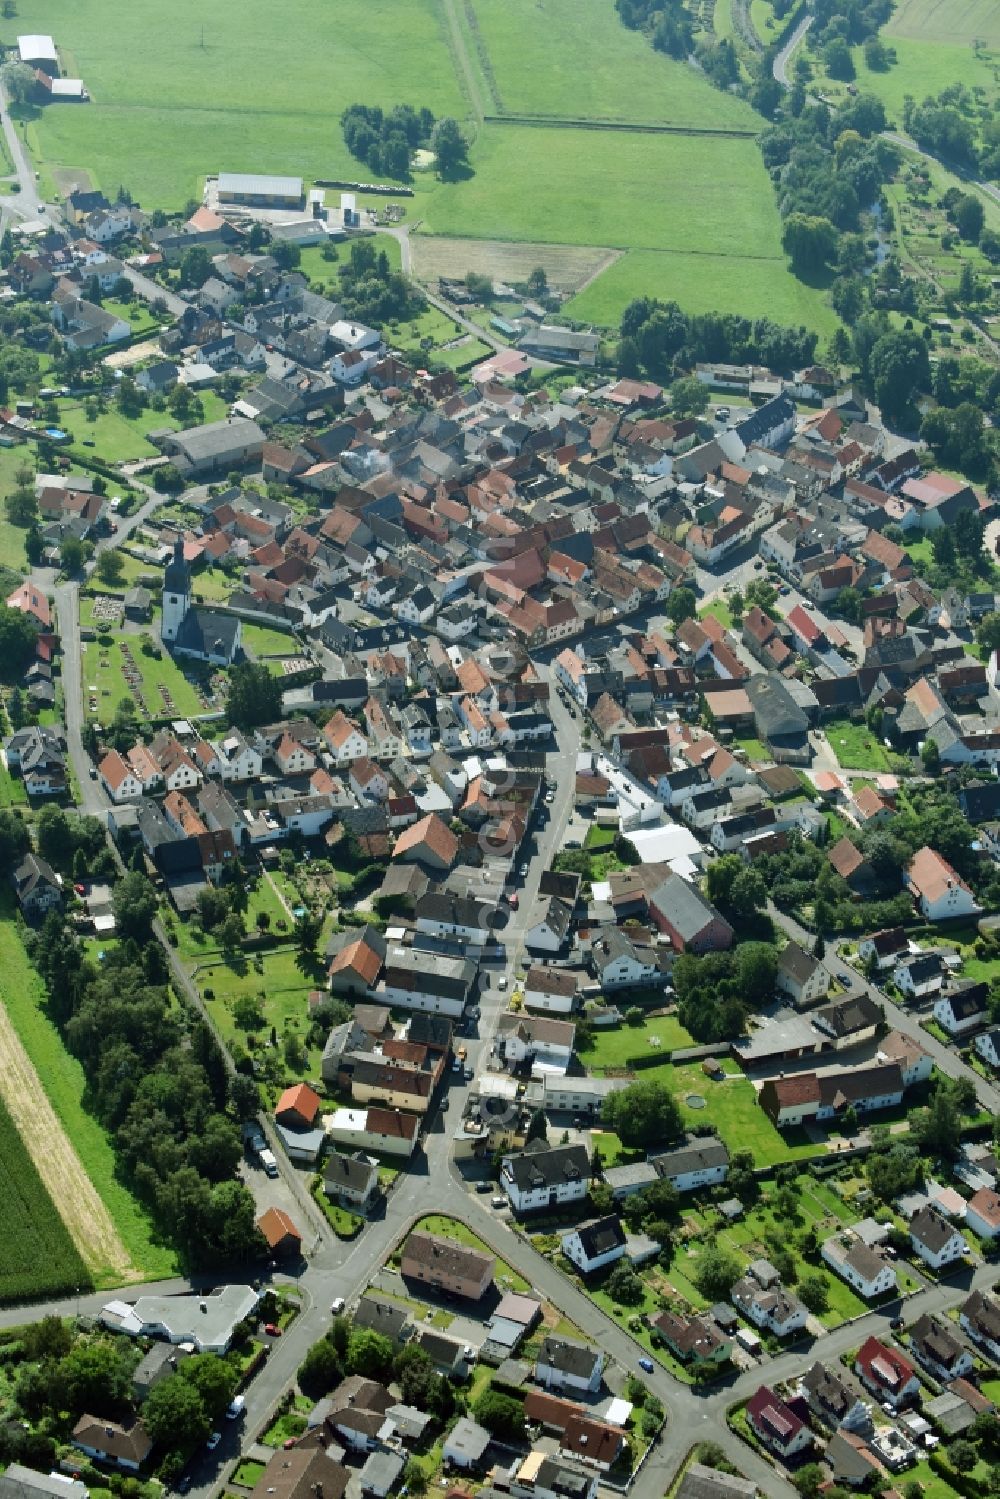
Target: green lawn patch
x,y
705,280
719,610
755,749
280,990
64,1083
731,1107
260,640
857,748
618,1046
248,1474
289,1424
249,99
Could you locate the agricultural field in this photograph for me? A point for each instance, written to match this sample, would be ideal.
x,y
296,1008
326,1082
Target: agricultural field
x,y
699,199
959,21
38,1258
113,1224
274,102
566,267
574,58
700,281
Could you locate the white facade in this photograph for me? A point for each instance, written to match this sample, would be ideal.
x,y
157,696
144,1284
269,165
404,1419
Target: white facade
x,y
953,1249
574,1250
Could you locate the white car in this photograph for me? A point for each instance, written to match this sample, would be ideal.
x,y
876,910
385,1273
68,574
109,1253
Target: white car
x,y
237,1408
337,1306
214,1441
502,981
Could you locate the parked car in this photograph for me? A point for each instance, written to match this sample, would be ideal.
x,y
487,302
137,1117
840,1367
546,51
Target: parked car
x,y
483,1187
647,1364
272,1329
498,1202
337,1306
237,1408
214,1441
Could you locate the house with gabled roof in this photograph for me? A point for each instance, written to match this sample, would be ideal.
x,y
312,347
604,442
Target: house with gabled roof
x,y
935,1240
780,1428
939,891
886,1373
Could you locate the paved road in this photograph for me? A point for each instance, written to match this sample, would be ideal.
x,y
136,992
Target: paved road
x,y
783,58
906,144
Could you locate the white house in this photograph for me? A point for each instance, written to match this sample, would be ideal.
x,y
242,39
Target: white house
x,y
771,1307
592,1246
884,949
802,977
563,1364
699,1162
940,893
238,759
550,989
982,1213
920,974
962,1011
543,1176
937,1241
389,1131
862,1267
118,778
466,1443
344,739
618,963
988,1046
546,1044
980,1320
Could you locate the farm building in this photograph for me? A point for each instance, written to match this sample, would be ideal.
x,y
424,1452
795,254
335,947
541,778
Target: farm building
x,y
260,192
39,52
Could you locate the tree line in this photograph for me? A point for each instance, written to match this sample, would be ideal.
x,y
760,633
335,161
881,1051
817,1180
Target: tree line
x,y
156,1079
659,339
386,141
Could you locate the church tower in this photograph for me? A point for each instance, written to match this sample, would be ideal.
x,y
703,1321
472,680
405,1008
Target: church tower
x,y
176,594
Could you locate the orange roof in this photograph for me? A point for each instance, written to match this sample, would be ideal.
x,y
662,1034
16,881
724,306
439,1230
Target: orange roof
x,y
357,957
31,600
931,876
113,769
276,1226
299,1099
429,833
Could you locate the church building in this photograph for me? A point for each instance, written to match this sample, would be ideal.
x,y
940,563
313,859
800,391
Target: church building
x,y
205,634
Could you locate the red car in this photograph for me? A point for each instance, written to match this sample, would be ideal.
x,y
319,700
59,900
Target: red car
x,y
513,900
289,1442
272,1329
80,889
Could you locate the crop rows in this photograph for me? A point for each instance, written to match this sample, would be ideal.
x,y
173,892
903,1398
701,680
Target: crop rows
x,y
37,1255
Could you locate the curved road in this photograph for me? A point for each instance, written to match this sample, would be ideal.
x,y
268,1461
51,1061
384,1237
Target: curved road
x,y
783,58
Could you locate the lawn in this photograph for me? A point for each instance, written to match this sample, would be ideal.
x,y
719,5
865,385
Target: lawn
x,y
616,1048
264,96
39,1259
64,1083
12,537
281,990
165,690
12,791
116,438
248,1474
754,749
857,748
719,610
599,69
261,640
731,1107
701,279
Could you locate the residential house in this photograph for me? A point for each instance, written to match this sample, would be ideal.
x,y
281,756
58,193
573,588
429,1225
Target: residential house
x,y
833,1400
696,1341
940,893
544,1175
935,1240
123,1447
883,949
804,978
979,1318
934,1345
701,1161
593,1246
446,1265
920,974
768,1306
982,1213
466,1443
563,1364
37,887
351,1180
963,1010
862,1266
780,1428
886,1373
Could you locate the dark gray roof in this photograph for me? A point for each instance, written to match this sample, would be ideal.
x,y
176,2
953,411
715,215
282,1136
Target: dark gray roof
x,y
694,1155
548,1166
568,1357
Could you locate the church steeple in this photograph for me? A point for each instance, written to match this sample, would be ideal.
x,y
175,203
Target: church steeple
x,y
176,593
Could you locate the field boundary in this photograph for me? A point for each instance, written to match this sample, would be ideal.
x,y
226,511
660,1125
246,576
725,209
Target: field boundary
x,y
569,122
73,1194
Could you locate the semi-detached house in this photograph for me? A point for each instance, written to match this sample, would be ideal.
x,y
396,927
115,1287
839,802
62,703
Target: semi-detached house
x,y
699,1162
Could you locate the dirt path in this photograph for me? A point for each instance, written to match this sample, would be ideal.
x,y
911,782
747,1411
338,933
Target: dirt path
x,y
73,1193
